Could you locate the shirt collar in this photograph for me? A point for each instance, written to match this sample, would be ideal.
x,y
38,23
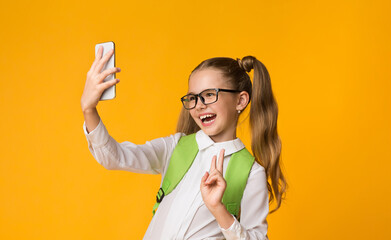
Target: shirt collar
x,y
232,146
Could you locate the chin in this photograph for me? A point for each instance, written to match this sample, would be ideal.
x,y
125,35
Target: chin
x,y
210,132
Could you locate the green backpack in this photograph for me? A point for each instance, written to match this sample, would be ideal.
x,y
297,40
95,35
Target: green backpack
x,y
236,175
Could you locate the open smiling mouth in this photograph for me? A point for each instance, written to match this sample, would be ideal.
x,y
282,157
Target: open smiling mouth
x,y
207,119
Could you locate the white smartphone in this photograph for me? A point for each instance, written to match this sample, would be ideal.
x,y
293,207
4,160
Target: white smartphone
x,y
109,93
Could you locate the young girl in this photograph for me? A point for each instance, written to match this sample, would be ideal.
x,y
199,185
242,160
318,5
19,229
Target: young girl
x,y
219,90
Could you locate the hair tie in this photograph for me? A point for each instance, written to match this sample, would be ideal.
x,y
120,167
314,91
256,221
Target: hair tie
x,y
248,63
240,63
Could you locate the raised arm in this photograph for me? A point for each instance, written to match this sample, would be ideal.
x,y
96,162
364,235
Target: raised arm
x,y
151,157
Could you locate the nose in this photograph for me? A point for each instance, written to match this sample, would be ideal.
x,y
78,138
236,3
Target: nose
x,y
200,104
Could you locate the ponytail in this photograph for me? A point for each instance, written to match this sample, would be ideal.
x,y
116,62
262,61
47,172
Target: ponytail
x,y
265,142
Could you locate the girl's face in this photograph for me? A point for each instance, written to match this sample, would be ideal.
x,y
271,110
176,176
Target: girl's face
x,y
223,114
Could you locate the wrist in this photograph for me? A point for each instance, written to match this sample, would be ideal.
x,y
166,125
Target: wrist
x,y
220,207
89,110
223,217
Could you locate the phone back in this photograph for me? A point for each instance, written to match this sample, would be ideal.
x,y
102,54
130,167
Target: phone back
x,y
109,93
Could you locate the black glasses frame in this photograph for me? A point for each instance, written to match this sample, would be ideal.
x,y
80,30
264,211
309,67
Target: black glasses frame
x,y
202,99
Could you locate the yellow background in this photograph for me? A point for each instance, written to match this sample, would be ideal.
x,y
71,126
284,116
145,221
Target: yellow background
x,y
329,65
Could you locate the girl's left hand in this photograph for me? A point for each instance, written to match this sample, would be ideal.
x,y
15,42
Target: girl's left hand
x,y
213,183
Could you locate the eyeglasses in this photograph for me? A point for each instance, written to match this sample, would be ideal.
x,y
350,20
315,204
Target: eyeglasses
x,y
207,96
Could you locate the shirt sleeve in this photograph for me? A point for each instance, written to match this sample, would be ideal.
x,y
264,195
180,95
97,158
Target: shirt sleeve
x,y
150,157
254,209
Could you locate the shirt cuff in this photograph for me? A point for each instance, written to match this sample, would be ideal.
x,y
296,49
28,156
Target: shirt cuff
x,y
235,231
97,137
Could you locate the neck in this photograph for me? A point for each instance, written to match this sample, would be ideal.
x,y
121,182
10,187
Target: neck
x,y
223,137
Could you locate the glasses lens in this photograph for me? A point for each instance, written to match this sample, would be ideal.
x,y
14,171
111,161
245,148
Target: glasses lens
x,y
189,101
209,96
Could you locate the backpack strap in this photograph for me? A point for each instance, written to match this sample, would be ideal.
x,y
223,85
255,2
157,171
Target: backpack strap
x,y
181,159
236,176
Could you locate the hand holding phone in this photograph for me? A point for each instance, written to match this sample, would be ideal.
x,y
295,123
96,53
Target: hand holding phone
x,y
95,84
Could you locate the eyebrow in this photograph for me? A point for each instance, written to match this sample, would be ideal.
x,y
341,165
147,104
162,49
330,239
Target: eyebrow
x,y
199,92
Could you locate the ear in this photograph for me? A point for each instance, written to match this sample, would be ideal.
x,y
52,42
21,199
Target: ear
x,y
243,100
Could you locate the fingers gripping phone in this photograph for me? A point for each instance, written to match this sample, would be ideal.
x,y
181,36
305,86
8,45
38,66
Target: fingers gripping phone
x,y
109,93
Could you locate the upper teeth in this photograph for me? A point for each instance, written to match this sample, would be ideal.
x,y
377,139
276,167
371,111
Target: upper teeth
x,y
205,116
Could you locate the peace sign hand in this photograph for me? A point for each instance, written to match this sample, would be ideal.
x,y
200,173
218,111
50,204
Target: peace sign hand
x,y
213,183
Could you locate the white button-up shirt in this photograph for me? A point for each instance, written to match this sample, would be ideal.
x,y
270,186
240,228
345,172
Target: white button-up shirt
x,y
182,214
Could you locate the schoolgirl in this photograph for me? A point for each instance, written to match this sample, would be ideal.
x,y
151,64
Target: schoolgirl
x,y
219,90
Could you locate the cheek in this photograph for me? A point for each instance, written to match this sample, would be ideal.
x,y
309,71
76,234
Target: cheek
x,y
227,106
192,115
230,111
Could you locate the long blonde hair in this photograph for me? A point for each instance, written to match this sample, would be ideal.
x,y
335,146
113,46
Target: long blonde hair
x,y
265,144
